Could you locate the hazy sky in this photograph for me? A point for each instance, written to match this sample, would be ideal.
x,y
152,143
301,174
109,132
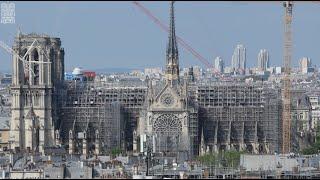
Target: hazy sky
x,y
117,34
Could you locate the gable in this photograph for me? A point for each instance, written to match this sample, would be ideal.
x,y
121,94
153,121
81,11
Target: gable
x,y
168,98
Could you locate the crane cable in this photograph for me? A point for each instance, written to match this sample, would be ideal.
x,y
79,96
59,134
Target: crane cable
x,y
179,39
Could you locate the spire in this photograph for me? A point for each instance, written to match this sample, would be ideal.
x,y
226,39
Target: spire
x,y
172,66
202,144
19,32
172,49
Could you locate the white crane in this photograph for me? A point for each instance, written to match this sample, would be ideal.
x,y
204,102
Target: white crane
x,y
26,63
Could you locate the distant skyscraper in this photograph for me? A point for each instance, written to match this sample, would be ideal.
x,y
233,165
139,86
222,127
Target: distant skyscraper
x,y
263,60
219,64
305,65
239,58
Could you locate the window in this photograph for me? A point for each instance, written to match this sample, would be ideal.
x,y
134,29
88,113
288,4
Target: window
x,y
36,68
168,123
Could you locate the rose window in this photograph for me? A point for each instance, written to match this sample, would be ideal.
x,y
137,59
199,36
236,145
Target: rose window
x,y
167,124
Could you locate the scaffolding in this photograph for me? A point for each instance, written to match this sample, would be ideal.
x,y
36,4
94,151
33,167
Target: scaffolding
x,y
236,116
112,110
239,116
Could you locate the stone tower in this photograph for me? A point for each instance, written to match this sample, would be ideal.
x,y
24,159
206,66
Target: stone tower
x,y
34,95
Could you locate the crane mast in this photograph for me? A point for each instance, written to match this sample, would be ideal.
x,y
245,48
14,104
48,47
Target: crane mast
x,y
286,106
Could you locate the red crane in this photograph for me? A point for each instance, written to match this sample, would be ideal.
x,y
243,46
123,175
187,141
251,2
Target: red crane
x,y
179,39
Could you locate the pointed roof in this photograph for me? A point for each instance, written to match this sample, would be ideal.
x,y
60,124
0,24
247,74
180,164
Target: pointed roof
x,y
202,137
172,48
19,32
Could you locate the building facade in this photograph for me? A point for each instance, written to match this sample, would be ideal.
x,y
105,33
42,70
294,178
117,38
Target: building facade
x,y
315,109
169,121
34,89
170,115
181,114
243,117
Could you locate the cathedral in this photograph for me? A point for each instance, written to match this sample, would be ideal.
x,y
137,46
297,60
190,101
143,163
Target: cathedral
x,y
35,85
169,121
177,116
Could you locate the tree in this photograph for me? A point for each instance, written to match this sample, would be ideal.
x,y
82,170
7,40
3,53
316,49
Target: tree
x,y
115,151
226,159
315,148
232,158
208,159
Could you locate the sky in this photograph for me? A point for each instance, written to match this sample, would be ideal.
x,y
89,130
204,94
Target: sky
x,y
99,35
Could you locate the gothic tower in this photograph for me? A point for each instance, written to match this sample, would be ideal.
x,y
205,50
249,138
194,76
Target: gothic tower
x,y
172,55
33,120
169,123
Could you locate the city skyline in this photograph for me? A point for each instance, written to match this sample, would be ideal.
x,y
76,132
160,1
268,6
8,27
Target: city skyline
x,y
149,40
169,116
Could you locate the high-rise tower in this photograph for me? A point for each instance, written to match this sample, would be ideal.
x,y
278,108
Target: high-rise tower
x,y
219,64
305,65
263,60
172,56
239,59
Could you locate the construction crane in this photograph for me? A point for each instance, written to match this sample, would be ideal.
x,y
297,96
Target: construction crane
x,y
286,93
180,40
22,59
286,96
26,63
286,90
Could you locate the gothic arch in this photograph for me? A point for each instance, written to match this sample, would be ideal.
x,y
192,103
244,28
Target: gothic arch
x,y
25,71
249,148
236,147
35,66
261,148
51,54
